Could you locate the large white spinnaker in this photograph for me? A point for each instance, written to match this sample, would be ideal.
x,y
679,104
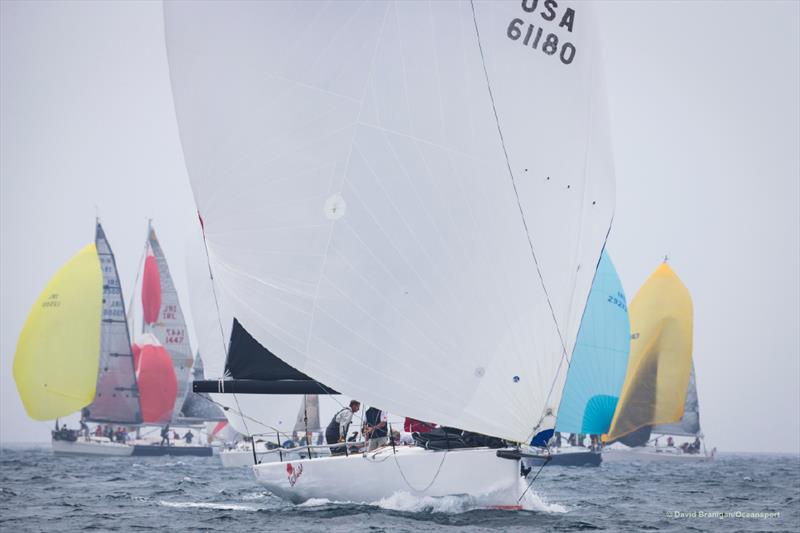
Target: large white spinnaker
x,y
405,201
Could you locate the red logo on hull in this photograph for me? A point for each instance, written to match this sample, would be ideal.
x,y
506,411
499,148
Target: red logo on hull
x,y
293,473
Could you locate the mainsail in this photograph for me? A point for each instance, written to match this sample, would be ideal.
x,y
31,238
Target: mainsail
x,y
689,424
117,396
406,201
58,351
600,359
168,326
660,365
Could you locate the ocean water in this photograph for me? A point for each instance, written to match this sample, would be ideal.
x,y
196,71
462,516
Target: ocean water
x,y
40,492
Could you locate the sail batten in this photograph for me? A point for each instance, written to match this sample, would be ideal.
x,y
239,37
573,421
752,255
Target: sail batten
x,y
395,267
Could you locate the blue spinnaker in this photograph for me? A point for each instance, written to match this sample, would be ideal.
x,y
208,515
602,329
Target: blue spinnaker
x,y
600,359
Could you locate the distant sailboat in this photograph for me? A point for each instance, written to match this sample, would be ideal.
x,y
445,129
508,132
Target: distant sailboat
x,y
163,316
405,202
74,352
660,394
165,365
596,372
198,407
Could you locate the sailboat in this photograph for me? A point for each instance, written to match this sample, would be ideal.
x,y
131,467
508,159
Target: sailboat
x,y
74,353
165,348
596,374
659,397
406,203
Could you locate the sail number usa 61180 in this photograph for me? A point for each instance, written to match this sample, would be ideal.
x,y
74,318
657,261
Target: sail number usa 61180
x,y
538,37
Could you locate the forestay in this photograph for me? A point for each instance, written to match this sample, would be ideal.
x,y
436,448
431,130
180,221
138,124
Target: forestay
x,y
600,360
117,396
375,179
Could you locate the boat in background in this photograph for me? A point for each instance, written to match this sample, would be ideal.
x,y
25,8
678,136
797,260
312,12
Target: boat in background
x,y
595,377
660,392
74,353
165,363
423,238
307,432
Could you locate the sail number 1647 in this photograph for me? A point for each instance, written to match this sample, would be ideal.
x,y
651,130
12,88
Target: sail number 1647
x,y
535,38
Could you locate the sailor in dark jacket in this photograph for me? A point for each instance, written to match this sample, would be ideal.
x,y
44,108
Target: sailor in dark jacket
x,y
340,423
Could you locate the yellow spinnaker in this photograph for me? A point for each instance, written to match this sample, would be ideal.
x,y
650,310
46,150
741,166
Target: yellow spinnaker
x,y
661,355
58,351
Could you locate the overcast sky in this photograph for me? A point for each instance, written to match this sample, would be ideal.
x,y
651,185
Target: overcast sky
x,y
704,100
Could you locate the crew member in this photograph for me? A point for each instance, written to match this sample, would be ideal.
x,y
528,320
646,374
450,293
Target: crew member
x,y
340,423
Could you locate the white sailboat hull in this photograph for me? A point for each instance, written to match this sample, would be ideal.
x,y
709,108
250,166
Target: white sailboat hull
x,y
652,454
91,446
380,474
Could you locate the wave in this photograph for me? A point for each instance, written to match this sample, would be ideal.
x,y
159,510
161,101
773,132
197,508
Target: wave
x,y
208,505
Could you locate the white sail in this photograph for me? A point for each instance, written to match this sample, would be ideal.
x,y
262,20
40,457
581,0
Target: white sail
x,y
376,178
248,414
170,327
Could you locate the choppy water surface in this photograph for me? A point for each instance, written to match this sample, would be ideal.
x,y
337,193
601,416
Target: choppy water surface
x,y
41,492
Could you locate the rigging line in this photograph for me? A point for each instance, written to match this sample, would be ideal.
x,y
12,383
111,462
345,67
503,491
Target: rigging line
x,y
514,183
547,460
435,476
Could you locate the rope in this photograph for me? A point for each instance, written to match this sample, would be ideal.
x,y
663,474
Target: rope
x,y
435,476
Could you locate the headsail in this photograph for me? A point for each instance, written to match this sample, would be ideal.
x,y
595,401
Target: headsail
x,y
55,363
375,179
600,359
169,326
117,395
661,356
